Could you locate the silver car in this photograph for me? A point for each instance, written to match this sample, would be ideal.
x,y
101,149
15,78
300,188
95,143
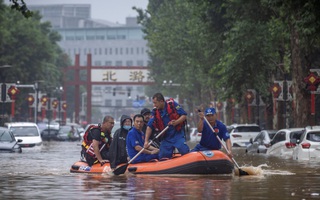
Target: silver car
x,y
260,143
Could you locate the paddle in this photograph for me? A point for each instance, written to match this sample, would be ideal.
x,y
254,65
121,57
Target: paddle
x,y
122,169
241,172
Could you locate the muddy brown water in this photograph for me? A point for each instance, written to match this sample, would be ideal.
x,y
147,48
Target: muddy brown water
x,y
43,173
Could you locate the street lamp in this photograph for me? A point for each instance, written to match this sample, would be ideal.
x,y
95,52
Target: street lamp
x,y
59,90
4,89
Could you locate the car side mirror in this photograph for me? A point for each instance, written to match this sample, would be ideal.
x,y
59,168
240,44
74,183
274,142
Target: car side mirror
x,y
251,140
19,140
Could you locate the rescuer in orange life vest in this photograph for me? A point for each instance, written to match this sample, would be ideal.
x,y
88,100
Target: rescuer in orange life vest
x,y
167,113
96,142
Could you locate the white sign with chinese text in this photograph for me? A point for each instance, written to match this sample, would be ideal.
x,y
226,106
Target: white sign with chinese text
x,y
120,75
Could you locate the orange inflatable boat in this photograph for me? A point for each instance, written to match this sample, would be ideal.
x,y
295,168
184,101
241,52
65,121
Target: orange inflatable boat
x,y
202,162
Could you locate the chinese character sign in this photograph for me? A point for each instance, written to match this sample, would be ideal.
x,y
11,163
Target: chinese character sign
x,y
121,75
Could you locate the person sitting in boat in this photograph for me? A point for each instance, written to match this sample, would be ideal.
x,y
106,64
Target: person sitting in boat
x,y
146,116
135,142
168,113
118,152
96,142
209,139
72,133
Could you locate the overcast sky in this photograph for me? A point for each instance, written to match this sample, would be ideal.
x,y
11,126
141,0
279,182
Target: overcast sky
x,y
110,10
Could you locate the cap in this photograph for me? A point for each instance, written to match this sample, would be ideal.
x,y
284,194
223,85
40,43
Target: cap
x,y
210,111
145,111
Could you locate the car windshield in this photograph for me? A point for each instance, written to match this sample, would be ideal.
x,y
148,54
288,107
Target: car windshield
x,y
65,129
314,136
22,131
247,129
5,136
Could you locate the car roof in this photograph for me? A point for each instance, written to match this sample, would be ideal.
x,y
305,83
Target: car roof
x,y
291,129
14,124
237,125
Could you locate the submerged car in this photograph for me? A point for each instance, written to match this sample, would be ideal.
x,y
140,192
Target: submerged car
x,y
308,146
261,142
282,144
49,134
26,131
195,136
240,134
8,143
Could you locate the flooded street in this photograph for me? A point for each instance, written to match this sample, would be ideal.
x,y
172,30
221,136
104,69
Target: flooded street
x,y
43,173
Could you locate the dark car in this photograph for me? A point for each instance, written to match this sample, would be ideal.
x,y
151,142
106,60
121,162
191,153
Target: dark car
x,y
8,142
49,134
67,133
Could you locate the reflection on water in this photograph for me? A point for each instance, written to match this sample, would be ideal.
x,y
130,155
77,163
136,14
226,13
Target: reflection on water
x,y
43,173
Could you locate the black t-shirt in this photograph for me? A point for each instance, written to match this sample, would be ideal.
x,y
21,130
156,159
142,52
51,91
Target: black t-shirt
x,y
95,133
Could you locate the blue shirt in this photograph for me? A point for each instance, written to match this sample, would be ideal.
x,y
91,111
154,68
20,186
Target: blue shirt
x,y
169,135
209,139
134,138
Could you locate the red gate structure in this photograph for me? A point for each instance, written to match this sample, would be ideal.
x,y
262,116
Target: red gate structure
x,y
105,76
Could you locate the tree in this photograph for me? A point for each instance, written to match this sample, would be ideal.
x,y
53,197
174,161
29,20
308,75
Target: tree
x,y
31,48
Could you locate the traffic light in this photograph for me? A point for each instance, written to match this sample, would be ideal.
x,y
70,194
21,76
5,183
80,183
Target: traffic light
x,y
3,92
114,91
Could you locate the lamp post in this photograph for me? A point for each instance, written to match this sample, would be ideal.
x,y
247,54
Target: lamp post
x,y
59,90
3,90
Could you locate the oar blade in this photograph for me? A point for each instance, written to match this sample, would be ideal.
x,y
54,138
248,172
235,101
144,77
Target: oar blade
x,y
120,170
242,173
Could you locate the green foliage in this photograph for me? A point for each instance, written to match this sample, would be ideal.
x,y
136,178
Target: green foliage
x,y
21,6
31,48
219,49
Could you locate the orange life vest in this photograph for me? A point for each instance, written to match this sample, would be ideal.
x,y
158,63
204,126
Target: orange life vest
x,y
173,115
87,143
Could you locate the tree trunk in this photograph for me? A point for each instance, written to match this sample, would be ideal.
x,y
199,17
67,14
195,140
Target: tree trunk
x,y
301,99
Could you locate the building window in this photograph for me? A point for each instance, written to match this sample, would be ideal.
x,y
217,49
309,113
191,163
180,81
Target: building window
x,y
95,51
137,50
129,63
119,102
129,102
127,50
97,63
108,103
106,51
108,63
116,51
140,63
118,63
100,51
142,50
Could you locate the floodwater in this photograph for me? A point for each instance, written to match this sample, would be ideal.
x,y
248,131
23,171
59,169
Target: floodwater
x,y
43,173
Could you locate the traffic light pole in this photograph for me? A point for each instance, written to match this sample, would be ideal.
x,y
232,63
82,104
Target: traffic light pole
x,y
35,88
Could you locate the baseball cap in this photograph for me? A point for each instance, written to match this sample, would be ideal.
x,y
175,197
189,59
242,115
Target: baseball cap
x,y
145,111
210,111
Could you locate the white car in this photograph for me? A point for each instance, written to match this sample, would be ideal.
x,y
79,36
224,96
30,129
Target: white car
x,y
308,146
282,145
240,134
195,136
260,143
26,131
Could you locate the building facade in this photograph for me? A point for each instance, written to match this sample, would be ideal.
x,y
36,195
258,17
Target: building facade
x,y
112,46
